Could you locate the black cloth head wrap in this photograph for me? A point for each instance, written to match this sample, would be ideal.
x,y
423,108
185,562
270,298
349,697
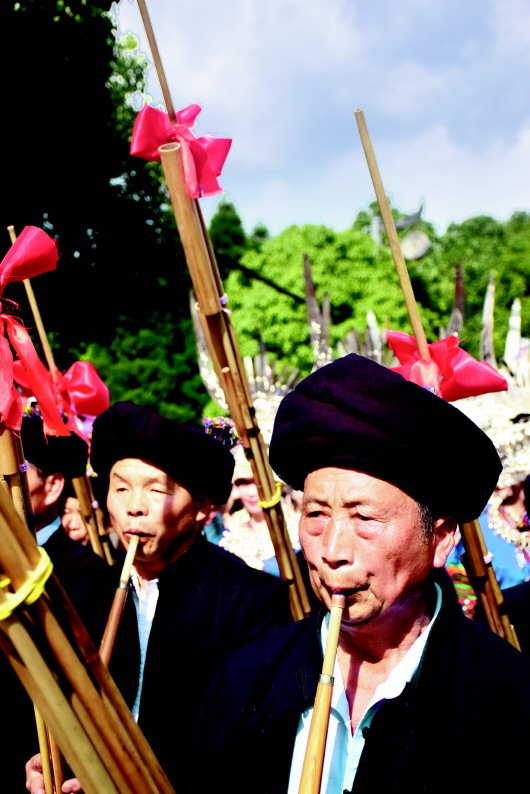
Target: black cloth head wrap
x,y
67,455
191,457
357,414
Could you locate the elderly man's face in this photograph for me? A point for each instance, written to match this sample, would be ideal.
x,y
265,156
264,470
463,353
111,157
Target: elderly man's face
x,y
145,501
361,536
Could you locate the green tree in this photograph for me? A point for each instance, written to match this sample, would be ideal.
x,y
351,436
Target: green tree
x,y
228,237
358,275
483,245
121,266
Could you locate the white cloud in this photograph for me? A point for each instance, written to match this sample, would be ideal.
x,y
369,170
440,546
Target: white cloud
x,y
444,86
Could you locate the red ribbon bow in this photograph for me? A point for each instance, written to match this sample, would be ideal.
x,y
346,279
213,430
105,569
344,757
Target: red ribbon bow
x,y
460,375
33,252
202,158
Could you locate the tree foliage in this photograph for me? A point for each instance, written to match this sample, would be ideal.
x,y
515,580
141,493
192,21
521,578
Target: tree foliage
x,y
121,267
359,276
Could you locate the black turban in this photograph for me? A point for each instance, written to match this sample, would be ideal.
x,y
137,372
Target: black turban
x,y
356,414
65,454
191,457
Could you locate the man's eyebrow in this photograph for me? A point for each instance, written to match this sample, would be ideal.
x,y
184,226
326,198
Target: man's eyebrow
x,y
161,479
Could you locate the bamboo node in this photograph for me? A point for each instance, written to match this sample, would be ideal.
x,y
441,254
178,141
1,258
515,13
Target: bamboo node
x,y
275,499
31,590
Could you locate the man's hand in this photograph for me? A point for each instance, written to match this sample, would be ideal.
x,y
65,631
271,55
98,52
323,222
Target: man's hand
x,y
35,778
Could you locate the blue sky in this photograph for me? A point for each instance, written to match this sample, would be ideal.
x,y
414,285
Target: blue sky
x,y
444,85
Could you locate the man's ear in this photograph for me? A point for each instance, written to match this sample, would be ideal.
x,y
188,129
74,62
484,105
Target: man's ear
x,y
444,529
53,487
203,508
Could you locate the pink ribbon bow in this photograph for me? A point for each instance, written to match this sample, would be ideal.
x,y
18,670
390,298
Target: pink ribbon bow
x,y
79,391
460,375
33,252
202,158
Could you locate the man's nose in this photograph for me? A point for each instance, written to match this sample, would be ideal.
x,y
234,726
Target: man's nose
x,y
137,505
339,542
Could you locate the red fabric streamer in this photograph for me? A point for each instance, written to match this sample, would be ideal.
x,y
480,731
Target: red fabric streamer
x,y
202,158
32,253
79,392
36,376
460,376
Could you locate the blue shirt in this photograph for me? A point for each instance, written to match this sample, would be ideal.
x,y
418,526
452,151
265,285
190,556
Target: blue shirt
x,y
46,532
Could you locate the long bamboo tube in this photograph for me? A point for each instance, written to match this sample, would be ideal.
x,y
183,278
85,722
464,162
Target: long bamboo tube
x,y
222,342
45,754
93,704
311,779
393,240
87,513
480,572
230,369
118,604
479,569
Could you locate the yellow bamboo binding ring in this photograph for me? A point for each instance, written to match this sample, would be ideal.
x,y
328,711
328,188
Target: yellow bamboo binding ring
x,y
275,499
32,588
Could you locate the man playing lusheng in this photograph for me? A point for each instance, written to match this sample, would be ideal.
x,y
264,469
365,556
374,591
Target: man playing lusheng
x,y
424,699
191,603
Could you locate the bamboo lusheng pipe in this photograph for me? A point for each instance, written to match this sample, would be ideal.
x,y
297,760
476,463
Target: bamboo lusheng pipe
x,y
482,575
393,240
311,778
229,367
91,694
157,60
37,316
479,569
118,604
52,762
13,473
87,513
98,519
45,754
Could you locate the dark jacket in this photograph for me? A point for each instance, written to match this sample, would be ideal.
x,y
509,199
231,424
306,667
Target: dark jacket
x,y
210,604
461,723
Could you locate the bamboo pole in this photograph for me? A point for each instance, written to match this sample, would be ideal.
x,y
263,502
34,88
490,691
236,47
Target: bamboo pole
x,y
481,573
118,604
477,562
45,754
13,473
93,703
230,369
87,513
311,778
393,240
222,343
